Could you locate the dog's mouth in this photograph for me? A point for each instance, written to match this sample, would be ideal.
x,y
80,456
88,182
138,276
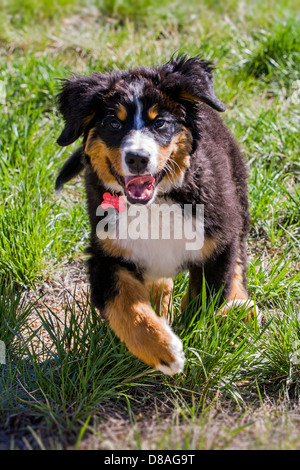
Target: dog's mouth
x,y
139,189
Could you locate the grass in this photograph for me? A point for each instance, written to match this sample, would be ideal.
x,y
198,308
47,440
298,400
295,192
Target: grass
x,y
276,56
68,381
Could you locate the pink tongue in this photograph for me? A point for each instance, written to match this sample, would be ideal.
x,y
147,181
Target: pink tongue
x,y
140,187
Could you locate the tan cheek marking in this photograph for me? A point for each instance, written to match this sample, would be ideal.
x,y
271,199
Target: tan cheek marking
x,y
153,112
121,112
177,154
99,153
133,320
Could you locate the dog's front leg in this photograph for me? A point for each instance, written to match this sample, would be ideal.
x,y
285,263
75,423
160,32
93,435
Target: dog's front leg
x,y
160,292
147,336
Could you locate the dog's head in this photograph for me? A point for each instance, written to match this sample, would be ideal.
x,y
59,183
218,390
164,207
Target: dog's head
x,y
140,126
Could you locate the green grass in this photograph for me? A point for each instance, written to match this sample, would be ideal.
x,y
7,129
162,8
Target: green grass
x,y
276,54
66,375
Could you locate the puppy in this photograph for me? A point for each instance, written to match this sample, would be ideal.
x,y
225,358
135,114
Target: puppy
x,y
152,139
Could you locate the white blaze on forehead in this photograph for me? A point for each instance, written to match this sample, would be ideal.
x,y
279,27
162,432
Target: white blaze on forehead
x,y
138,122
140,142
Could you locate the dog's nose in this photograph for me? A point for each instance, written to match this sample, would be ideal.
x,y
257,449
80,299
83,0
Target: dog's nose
x,y
137,161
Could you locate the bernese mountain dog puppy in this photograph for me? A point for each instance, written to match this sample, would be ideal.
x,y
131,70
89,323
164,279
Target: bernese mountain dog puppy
x,y
152,137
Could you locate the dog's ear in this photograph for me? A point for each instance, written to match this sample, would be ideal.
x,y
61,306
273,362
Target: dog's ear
x,y
77,102
190,79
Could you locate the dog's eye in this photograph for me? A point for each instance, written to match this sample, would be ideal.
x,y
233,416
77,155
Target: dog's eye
x,y
112,121
115,124
159,123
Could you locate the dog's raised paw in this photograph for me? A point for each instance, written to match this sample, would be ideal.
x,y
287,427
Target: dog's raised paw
x,y
176,349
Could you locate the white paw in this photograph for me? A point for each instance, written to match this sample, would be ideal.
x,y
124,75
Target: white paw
x,y
176,349
249,304
239,303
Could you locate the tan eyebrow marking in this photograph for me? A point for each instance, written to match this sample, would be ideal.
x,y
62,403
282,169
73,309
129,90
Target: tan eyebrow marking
x,y
153,112
121,112
184,95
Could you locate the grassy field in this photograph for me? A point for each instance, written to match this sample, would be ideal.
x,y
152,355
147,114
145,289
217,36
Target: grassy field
x,y
68,382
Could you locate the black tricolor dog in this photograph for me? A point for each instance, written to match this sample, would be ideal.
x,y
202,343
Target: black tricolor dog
x,y
152,136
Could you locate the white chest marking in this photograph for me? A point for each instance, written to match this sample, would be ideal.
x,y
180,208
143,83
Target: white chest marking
x,y
157,244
